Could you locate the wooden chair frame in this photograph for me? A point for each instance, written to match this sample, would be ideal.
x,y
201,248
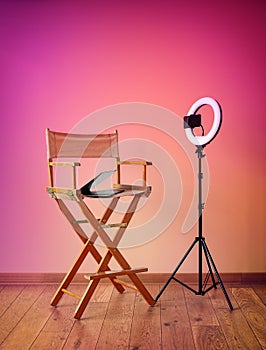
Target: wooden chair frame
x,y
55,145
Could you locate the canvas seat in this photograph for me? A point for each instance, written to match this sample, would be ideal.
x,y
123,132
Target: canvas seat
x,y
78,146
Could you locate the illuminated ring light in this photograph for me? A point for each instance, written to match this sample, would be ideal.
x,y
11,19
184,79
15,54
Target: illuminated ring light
x,y
203,140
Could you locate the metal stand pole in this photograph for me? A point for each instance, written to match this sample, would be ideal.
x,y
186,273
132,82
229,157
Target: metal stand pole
x,y
202,248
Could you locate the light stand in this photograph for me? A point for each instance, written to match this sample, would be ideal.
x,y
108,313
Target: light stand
x,y
200,240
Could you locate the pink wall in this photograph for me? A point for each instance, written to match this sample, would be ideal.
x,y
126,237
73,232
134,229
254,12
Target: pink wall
x,y
62,60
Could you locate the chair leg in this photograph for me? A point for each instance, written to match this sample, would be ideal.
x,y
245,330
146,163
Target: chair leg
x,y
85,298
71,273
92,286
88,247
102,267
142,289
134,278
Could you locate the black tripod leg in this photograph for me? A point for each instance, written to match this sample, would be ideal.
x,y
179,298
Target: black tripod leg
x,y
176,269
209,266
218,276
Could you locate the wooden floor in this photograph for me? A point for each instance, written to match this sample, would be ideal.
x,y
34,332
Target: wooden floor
x,y
180,319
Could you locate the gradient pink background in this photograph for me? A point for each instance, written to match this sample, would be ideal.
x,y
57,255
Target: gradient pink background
x,y
62,60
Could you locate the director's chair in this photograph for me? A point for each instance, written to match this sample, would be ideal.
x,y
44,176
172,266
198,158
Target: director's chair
x,y
79,146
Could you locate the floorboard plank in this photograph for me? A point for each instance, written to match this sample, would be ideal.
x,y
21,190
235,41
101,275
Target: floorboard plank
x,y
85,332
218,299
176,334
14,313
7,295
102,293
237,332
236,329
176,330
28,328
254,311
146,325
115,333
260,290
172,292
209,338
200,309
57,328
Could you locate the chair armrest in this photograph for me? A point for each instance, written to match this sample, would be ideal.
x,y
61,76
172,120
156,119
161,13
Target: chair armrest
x,y
72,164
134,162
65,193
64,163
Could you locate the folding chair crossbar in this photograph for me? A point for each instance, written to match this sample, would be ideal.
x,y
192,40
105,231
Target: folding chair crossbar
x,y
111,273
106,143
123,283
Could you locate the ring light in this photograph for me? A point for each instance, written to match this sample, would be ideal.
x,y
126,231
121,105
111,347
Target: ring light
x,y
203,140
191,121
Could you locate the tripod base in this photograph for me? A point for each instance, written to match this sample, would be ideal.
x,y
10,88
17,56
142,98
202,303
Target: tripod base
x,y
202,285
